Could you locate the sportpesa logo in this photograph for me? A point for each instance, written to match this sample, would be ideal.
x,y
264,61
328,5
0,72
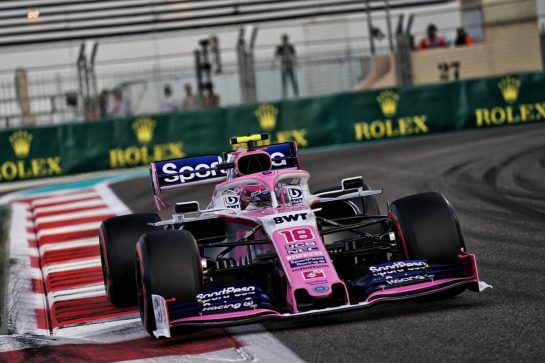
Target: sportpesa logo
x,y
187,173
199,169
391,268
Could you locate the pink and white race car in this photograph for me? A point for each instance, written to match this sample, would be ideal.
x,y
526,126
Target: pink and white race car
x,y
265,247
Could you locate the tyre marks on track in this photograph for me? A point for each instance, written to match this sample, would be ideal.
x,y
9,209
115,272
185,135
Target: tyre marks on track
x,y
510,185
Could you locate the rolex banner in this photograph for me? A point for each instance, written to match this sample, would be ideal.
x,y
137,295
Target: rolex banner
x,y
342,118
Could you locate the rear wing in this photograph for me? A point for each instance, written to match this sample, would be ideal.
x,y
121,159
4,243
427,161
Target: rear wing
x,y
283,156
178,173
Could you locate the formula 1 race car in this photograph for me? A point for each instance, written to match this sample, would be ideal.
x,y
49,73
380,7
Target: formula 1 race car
x,y
266,247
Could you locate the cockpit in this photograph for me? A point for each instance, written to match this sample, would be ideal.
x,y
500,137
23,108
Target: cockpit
x,y
271,189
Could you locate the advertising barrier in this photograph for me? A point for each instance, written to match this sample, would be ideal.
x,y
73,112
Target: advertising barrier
x,y
337,119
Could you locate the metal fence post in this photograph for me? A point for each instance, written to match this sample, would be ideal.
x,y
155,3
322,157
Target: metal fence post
x,y
370,28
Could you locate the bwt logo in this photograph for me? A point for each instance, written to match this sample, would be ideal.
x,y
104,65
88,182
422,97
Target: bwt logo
x,y
295,195
290,218
232,202
200,171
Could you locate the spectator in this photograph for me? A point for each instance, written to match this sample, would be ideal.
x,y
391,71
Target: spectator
x,y
118,106
103,98
189,102
285,55
210,99
432,40
168,104
462,38
412,42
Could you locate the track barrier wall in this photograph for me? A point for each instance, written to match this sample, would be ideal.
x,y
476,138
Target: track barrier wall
x,y
337,119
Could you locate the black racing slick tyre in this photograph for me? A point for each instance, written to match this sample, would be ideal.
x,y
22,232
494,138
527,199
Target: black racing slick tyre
x,y
168,264
117,239
429,227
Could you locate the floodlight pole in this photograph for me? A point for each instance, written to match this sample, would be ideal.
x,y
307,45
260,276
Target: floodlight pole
x,y
370,28
389,24
246,66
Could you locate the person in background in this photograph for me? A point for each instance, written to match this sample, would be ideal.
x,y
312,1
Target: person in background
x,y
285,55
189,102
432,40
210,99
103,98
118,106
412,42
168,104
462,38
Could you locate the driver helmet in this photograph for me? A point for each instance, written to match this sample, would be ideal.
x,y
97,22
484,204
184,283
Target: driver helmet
x,y
256,196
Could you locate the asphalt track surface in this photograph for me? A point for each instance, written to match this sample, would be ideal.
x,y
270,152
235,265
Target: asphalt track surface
x,y
495,178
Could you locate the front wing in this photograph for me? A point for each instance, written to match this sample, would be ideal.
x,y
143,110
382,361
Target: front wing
x,y
170,314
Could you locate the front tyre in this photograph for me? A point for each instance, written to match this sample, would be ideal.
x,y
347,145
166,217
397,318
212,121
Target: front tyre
x,y
168,264
117,240
429,227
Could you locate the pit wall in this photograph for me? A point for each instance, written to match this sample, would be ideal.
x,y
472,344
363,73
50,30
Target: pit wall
x,y
349,117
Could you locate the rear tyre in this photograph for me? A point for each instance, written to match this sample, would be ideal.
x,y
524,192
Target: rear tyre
x,y
117,239
167,264
429,227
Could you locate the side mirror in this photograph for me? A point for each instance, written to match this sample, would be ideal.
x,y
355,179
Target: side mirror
x,y
186,207
352,183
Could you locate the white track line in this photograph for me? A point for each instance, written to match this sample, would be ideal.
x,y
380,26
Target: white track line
x,y
19,312
64,198
112,200
261,346
73,215
85,242
70,266
80,292
61,207
68,229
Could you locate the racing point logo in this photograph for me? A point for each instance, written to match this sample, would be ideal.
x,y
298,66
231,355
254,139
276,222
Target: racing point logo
x,y
509,87
20,141
314,274
266,115
143,128
388,103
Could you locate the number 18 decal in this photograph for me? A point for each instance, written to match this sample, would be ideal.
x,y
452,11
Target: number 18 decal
x,y
297,234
